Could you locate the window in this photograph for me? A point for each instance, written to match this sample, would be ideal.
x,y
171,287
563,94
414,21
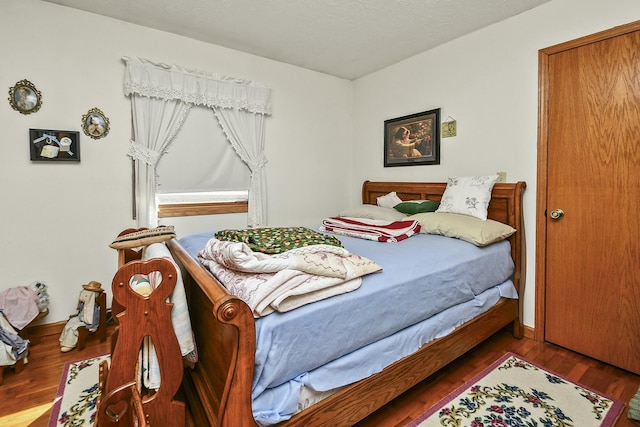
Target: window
x,y
201,173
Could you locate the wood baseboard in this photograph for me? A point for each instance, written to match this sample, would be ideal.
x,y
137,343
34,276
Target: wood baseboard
x,y
529,332
46,329
56,329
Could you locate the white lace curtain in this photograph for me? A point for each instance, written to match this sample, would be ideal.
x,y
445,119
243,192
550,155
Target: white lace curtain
x,y
161,98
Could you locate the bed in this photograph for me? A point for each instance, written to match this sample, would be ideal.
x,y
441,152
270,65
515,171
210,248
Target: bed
x,y
219,388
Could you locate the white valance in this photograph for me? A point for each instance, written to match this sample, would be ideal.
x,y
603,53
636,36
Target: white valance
x,y
173,82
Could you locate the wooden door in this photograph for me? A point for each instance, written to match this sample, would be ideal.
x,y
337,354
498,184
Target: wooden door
x,y
589,197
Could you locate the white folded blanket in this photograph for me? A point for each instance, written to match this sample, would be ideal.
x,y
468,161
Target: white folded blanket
x,y
180,320
371,229
282,282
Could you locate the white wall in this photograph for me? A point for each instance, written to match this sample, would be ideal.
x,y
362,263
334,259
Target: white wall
x,y
58,218
487,81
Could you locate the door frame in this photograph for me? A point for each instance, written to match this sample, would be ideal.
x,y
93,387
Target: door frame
x,y
541,179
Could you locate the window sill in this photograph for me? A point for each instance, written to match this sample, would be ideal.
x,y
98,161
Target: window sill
x,y
193,209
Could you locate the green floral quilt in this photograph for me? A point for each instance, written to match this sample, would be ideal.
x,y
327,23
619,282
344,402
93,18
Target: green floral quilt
x,y
277,239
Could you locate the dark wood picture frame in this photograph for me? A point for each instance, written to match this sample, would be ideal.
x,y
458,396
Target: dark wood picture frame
x,y
413,140
54,145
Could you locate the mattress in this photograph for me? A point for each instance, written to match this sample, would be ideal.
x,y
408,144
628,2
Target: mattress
x,y
429,285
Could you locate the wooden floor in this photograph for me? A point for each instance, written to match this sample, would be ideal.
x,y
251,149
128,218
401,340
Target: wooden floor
x,y
614,382
27,397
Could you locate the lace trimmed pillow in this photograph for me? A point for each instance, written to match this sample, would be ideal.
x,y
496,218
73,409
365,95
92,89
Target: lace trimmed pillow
x,y
468,195
388,200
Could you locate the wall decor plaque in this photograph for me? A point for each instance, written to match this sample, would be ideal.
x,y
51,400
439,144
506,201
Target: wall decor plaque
x,y
54,145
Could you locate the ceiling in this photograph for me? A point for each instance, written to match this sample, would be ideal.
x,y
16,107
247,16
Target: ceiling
x,y
344,38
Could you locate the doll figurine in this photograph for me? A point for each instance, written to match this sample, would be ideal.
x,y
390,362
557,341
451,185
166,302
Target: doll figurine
x,y
88,316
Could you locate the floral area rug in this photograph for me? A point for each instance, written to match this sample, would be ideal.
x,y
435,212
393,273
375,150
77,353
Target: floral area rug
x,y
75,403
515,392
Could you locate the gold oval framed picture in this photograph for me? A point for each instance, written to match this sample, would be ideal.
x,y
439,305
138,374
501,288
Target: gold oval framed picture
x,y
24,97
95,124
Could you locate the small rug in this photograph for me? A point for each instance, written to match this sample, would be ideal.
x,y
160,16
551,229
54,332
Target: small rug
x,y
634,407
75,403
515,392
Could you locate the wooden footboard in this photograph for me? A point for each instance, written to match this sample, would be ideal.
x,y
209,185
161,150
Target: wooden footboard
x,y
219,388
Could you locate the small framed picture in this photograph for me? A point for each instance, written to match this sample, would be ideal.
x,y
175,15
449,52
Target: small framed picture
x,y
413,140
95,124
24,97
54,145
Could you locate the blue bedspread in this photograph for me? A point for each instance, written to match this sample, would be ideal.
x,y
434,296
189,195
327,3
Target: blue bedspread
x,y
343,339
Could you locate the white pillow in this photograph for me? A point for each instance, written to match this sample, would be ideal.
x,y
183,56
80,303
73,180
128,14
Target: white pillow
x,y
373,212
468,195
389,200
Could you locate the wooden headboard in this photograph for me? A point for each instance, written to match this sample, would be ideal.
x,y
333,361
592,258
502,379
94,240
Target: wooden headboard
x,y
505,203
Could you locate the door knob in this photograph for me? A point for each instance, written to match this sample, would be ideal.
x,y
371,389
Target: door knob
x,y
557,214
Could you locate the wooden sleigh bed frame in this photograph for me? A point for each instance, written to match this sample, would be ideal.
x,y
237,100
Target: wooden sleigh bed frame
x,y
218,389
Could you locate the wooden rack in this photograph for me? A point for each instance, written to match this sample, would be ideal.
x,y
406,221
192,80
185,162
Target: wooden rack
x,y
124,401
